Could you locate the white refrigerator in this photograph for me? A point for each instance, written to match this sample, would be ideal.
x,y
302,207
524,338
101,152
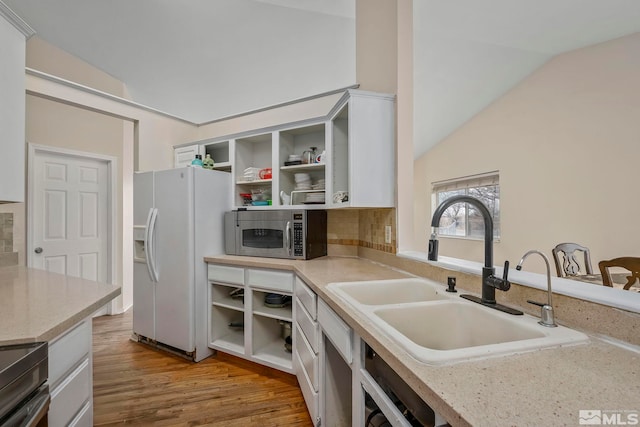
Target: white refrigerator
x,y
178,219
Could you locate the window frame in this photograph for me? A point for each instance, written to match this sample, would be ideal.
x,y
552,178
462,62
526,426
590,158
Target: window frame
x,y
465,184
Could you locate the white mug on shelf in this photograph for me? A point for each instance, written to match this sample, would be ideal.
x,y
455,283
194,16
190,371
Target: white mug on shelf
x,y
286,199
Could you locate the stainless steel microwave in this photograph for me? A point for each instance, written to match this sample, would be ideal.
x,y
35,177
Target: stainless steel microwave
x,y
292,234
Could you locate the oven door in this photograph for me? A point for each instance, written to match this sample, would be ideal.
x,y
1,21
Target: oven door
x,y
264,238
31,412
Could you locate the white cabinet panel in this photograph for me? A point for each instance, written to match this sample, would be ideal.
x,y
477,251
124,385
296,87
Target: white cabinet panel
x,y
70,377
182,156
269,279
308,359
311,397
70,396
66,352
340,334
308,326
226,274
307,297
12,112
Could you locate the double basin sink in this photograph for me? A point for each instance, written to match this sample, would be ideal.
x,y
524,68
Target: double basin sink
x,y
437,327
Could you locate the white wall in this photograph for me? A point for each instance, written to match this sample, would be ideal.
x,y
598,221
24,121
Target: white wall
x,y
566,142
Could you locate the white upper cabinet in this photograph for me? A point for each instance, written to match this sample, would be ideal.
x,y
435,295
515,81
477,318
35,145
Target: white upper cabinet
x,y
363,151
183,156
13,33
344,159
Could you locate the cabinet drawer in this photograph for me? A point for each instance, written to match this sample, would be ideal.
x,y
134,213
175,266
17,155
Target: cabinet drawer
x,y
84,418
308,326
308,359
307,297
271,280
310,395
226,274
70,396
336,330
68,350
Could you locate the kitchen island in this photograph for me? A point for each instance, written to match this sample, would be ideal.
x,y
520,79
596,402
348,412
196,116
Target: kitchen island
x,y
36,306
545,387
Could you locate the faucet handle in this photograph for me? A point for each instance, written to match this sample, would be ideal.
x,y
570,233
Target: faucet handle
x,y
505,271
498,283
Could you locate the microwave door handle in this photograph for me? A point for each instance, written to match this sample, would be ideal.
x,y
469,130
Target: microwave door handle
x,y
287,232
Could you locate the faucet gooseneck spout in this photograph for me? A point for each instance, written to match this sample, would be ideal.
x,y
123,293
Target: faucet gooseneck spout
x,y
489,282
546,313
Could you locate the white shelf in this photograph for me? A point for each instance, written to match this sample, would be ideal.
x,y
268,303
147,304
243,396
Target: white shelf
x,y
278,313
220,297
282,313
303,167
233,342
229,306
223,166
255,182
275,354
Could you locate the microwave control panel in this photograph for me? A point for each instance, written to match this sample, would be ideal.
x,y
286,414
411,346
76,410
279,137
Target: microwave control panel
x,y
298,248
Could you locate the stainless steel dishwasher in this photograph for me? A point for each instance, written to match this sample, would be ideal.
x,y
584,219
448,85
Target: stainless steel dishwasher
x,y
24,392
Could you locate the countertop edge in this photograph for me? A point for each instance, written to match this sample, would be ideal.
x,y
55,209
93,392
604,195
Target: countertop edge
x,y
76,318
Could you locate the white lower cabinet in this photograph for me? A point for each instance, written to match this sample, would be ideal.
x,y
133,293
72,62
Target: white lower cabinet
x,y
343,381
251,314
71,377
306,362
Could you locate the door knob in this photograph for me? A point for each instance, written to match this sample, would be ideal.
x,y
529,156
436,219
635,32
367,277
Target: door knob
x,y
38,250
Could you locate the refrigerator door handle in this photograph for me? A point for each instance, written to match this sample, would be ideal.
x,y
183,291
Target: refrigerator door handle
x,y
287,232
152,256
147,244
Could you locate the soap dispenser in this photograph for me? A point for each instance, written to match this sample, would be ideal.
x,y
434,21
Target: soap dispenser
x,y
197,161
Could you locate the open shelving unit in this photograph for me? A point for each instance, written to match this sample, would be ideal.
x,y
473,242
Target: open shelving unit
x,y
260,339
357,136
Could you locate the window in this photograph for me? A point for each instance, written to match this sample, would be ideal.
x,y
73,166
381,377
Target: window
x,y
462,219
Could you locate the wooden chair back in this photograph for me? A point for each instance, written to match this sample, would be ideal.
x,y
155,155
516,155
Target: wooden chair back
x,y
629,263
567,264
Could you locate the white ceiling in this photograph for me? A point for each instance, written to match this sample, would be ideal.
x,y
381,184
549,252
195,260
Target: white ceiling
x,y
207,59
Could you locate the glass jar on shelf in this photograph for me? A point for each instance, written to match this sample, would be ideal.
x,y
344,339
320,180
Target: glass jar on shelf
x,y
309,156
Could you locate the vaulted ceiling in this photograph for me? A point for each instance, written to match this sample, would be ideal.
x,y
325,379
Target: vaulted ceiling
x,y
207,59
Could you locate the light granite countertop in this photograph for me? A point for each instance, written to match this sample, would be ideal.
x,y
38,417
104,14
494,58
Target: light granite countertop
x,y
547,387
36,305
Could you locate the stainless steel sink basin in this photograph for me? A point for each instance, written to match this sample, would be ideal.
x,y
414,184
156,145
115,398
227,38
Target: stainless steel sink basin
x,y
382,292
436,327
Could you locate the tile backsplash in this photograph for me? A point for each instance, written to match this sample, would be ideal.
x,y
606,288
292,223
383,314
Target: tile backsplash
x,y
7,255
6,232
362,227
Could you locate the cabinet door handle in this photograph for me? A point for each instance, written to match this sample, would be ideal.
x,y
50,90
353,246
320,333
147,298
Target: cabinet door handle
x,y
38,250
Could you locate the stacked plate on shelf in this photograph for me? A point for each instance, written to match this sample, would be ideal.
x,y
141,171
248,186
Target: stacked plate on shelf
x,y
250,174
314,198
319,185
294,159
303,181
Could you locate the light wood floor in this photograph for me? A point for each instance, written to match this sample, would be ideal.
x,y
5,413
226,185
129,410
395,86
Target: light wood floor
x,y
135,384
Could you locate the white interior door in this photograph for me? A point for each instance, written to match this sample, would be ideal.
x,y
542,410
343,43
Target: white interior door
x,y
70,215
